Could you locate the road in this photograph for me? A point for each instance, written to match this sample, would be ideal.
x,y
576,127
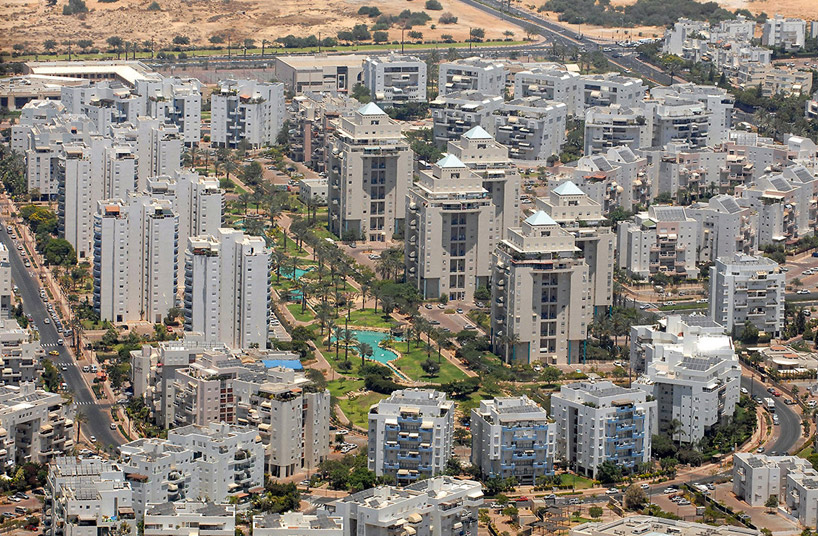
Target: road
x,y
789,428
98,416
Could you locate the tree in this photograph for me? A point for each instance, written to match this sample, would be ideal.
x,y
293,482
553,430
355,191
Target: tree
x,y
635,497
49,45
512,512
59,251
749,334
433,5
361,93
154,6
595,512
380,37
430,367
772,503
447,18
366,351
609,472
181,40
477,33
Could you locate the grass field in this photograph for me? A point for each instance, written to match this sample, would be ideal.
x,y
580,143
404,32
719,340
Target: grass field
x,y
357,410
579,482
368,318
410,364
306,316
343,385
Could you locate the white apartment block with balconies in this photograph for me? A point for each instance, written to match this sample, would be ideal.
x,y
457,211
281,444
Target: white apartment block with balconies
x,y
158,471
786,33
227,288
298,524
718,105
440,506
512,438
532,128
757,476
489,159
611,88
159,149
485,76
746,289
33,425
174,100
600,421
663,239
801,496
246,110
694,376
370,170
636,525
206,518
725,228
394,79
618,178
551,82
608,127
457,112
410,435
134,263
449,231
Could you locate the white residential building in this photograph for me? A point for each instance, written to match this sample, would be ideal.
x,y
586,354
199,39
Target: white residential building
x,y
611,88
313,192
757,476
331,73
532,128
440,506
746,289
89,497
614,126
177,101
127,287
394,79
512,438
410,434
786,33
180,518
725,228
663,239
551,82
692,371
159,148
449,230
298,524
802,497
618,178
635,525
33,425
370,170
246,110
600,421
227,288
457,112
717,102
5,280
158,471
485,76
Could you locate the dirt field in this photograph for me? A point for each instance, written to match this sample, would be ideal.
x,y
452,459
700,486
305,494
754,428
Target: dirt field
x,y
31,22
805,9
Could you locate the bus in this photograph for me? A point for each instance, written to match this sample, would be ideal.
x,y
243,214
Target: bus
x,y
769,403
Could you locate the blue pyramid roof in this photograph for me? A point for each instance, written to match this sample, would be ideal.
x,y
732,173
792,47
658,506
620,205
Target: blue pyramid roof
x,y
477,133
450,161
568,188
370,108
540,218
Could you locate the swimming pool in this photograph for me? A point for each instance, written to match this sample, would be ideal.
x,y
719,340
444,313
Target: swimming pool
x,y
373,339
298,273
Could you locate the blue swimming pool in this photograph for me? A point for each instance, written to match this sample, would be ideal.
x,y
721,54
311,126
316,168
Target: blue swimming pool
x,y
298,273
373,339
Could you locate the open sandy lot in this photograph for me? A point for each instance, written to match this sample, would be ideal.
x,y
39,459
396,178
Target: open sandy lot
x,y
31,22
805,9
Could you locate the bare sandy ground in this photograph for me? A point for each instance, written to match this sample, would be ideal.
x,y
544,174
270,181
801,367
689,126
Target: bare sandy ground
x,y
31,22
805,9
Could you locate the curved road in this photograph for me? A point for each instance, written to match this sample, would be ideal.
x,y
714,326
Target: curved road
x,y
98,416
789,427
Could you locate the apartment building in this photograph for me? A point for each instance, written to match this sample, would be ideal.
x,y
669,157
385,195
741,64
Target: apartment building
x,y
693,374
611,88
228,459
679,120
537,260
477,74
801,496
781,32
663,239
126,236
395,79
158,471
246,110
370,170
320,73
312,119
410,435
489,159
608,127
725,229
159,148
512,438
89,497
180,518
757,476
457,112
449,231
634,525
174,100
811,107
33,425
774,80
617,178
227,288
21,356
532,128
313,192
551,82
6,287
747,290
600,421
298,524
718,104
440,506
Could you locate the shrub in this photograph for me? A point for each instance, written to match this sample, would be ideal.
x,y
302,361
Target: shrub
x,y
369,11
433,5
74,7
380,37
447,18
155,7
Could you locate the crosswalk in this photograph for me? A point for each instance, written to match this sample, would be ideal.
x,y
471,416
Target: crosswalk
x,y
49,344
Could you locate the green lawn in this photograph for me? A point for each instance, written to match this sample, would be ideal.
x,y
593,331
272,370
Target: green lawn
x,y
410,364
344,385
357,410
579,482
368,318
306,316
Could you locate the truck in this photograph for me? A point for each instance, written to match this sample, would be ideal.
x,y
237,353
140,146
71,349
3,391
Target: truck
x,y
769,403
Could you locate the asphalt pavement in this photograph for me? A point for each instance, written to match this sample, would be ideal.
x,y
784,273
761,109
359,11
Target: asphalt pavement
x,y
98,416
789,427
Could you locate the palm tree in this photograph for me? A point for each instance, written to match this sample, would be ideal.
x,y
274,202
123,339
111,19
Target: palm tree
x,y
230,167
511,340
350,339
324,314
79,418
441,338
366,351
279,258
244,200
338,334
365,287
331,325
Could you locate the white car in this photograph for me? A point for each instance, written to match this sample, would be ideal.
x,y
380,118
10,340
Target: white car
x,y
802,291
